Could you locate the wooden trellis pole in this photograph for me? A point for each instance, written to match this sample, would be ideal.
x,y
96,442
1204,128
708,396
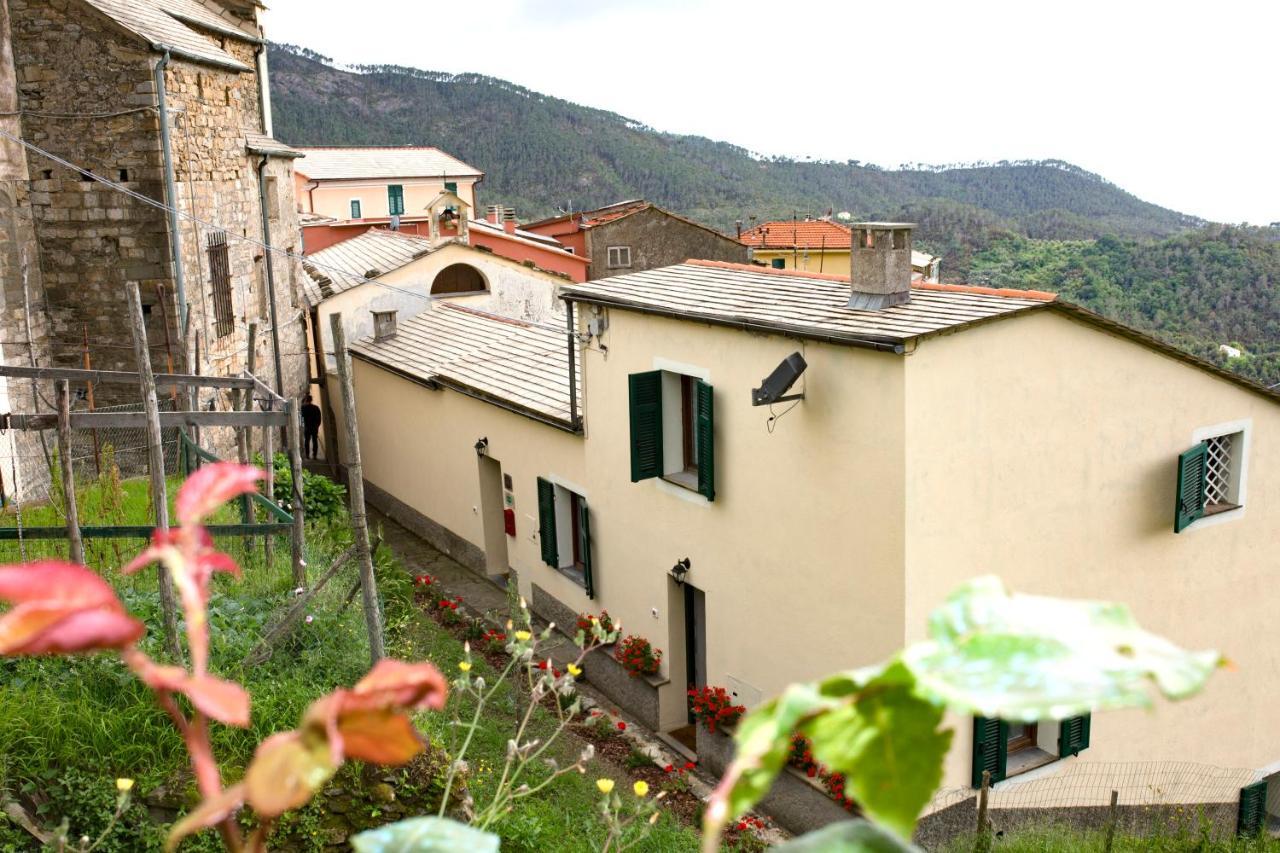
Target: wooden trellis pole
x,y
76,543
155,454
296,499
355,491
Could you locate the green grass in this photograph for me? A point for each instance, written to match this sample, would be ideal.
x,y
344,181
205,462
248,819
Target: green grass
x,y
566,816
70,726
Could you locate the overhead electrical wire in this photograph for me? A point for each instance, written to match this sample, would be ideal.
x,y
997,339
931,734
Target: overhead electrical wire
x,y
159,205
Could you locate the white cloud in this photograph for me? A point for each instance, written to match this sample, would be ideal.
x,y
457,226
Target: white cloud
x,y
1173,101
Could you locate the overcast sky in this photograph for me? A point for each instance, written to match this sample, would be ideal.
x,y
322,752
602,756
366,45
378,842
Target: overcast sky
x,y
1176,102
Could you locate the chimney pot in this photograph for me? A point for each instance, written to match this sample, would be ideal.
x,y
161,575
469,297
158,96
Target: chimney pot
x,y
384,325
880,265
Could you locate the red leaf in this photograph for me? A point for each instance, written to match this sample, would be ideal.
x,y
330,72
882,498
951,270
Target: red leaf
x,y
209,813
61,608
224,701
211,487
380,737
287,769
396,684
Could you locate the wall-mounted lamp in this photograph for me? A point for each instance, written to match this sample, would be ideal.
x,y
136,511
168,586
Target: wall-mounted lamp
x,y
679,570
482,446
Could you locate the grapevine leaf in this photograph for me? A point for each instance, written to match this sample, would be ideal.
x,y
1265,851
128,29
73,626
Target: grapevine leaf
x,y
1027,657
888,744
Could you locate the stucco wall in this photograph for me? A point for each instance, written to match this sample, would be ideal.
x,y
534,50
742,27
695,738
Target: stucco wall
x,y
828,262
657,239
333,198
515,290
799,553
1045,451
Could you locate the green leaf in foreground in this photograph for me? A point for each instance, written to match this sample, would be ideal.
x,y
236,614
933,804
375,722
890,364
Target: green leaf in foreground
x,y
850,836
425,834
1028,657
888,744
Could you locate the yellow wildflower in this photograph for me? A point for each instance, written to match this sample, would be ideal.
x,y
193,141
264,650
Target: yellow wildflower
x,y
641,788
575,670
124,786
522,636
465,665
605,785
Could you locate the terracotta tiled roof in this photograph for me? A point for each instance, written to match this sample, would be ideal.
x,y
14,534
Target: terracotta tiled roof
x,y
799,234
389,162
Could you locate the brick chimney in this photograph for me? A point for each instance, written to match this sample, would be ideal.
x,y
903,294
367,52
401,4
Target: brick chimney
x,y
509,220
880,265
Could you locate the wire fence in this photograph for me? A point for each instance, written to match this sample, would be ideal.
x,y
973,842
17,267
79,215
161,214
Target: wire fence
x,y
1152,798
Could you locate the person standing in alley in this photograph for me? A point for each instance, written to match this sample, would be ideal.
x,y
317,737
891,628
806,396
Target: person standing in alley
x,y
310,428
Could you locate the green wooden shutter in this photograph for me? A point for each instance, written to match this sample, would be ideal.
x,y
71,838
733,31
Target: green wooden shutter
x,y
355,208
395,200
584,547
778,263
705,436
451,186
1191,485
1073,735
1253,809
547,522
646,425
990,749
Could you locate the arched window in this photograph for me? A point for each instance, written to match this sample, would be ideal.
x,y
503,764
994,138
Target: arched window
x,y
458,278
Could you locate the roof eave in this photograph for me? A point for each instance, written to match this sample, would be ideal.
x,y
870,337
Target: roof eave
x,y
880,343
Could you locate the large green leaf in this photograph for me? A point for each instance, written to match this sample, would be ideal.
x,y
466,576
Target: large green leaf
x,y
1027,657
888,744
850,836
425,834
763,742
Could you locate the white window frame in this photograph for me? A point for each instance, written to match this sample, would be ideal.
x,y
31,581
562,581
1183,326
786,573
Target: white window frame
x,y
1239,469
617,251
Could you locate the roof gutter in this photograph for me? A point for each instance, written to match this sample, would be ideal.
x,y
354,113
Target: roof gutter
x,y
872,342
171,197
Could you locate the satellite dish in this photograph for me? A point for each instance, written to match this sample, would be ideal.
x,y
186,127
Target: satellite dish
x,y
773,387
844,216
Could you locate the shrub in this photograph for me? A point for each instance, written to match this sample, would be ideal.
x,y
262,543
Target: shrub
x,y
637,656
322,498
475,630
713,707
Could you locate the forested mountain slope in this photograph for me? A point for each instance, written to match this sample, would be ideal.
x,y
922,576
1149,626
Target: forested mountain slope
x,y
1045,225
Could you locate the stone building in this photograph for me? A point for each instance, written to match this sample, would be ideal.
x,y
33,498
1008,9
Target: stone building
x,y
633,236
86,80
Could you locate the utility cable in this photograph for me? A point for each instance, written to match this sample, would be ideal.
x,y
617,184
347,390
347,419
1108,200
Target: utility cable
x,y
159,205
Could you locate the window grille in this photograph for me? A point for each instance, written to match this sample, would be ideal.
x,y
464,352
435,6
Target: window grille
x,y
1218,471
220,280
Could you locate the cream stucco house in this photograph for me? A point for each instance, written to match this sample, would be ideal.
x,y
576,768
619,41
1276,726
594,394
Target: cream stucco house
x,y
938,432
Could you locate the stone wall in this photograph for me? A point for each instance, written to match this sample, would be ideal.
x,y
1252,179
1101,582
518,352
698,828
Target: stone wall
x,y
88,94
658,239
